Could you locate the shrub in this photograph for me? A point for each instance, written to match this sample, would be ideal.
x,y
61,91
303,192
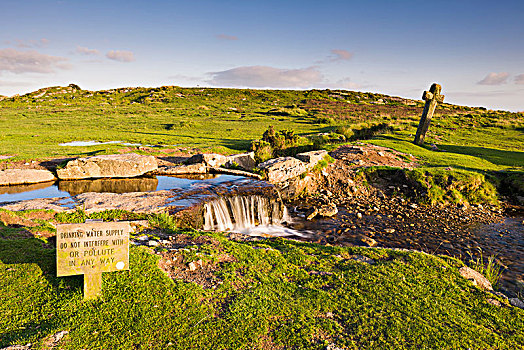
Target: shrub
x,y
345,131
324,138
325,120
291,111
371,131
263,150
281,139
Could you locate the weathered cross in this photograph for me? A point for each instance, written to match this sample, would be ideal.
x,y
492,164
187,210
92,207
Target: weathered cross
x,y
431,97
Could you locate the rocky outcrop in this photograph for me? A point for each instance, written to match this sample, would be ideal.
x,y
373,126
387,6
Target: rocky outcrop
x,y
475,277
234,172
209,159
245,161
312,158
114,165
282,169
24,176
181,169
326,210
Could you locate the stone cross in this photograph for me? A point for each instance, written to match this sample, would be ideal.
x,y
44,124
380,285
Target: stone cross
x,y
431,97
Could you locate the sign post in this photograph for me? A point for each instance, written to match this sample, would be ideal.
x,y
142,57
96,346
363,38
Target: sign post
x,y
90,249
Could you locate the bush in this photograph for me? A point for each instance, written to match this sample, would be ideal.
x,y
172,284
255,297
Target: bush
x,y
345,131
371,131
325,120
324,138
263,150
275,143
290,111
281,139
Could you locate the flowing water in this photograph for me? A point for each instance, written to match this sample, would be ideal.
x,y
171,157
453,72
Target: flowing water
x,y
254,215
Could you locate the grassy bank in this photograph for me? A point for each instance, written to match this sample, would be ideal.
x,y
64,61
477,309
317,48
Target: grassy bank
x,y
266,294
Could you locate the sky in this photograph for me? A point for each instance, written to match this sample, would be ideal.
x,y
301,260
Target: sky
x,y
474,49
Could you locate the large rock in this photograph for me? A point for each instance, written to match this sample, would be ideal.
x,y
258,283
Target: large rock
x,y
210,159
24,176
114,165
326,210
244,160
180,169
282,169
475,277
312,158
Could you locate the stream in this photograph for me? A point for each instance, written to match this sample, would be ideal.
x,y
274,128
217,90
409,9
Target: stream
x,y
239,204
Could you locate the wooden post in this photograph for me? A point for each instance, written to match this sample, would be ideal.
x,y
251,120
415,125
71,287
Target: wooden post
x,y
431,97
90,249
92,285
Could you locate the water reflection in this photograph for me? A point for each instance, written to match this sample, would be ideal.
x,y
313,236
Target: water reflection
x,y
62,189
109,185
25,188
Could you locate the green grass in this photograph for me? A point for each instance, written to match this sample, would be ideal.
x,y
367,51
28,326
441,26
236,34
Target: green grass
x,y
273,294
488,267
227,120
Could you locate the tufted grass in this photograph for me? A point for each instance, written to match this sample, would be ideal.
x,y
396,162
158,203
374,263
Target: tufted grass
x,y
274,294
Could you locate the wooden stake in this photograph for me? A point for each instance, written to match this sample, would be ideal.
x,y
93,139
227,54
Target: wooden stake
x,y
92,285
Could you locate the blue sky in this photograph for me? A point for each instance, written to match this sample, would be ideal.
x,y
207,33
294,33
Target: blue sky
x,y
474,49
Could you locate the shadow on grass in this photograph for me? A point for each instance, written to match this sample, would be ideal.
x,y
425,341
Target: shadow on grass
x,y
34,251
22,252
495,156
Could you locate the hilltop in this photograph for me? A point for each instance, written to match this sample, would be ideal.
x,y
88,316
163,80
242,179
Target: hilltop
x,y
226,120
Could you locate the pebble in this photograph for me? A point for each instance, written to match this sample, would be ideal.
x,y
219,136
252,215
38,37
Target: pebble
x,y
368,241
516,302
494,302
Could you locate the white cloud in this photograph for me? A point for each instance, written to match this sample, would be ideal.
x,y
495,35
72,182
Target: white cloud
x,y
341,55
494,79
519,79
121,56
226,37
16,61
28,43
267,77
86,51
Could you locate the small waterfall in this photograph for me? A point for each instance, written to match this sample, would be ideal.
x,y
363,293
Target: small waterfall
x,y
250,214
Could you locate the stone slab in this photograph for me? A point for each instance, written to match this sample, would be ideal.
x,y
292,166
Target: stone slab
x,y
209,159
181,169
282,169
312,158
244,160
113,165
24,176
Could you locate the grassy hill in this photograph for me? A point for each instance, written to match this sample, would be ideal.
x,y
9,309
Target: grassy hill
x,y
226,120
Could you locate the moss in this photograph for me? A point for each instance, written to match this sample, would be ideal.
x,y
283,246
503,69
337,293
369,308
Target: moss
x,y
453,186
